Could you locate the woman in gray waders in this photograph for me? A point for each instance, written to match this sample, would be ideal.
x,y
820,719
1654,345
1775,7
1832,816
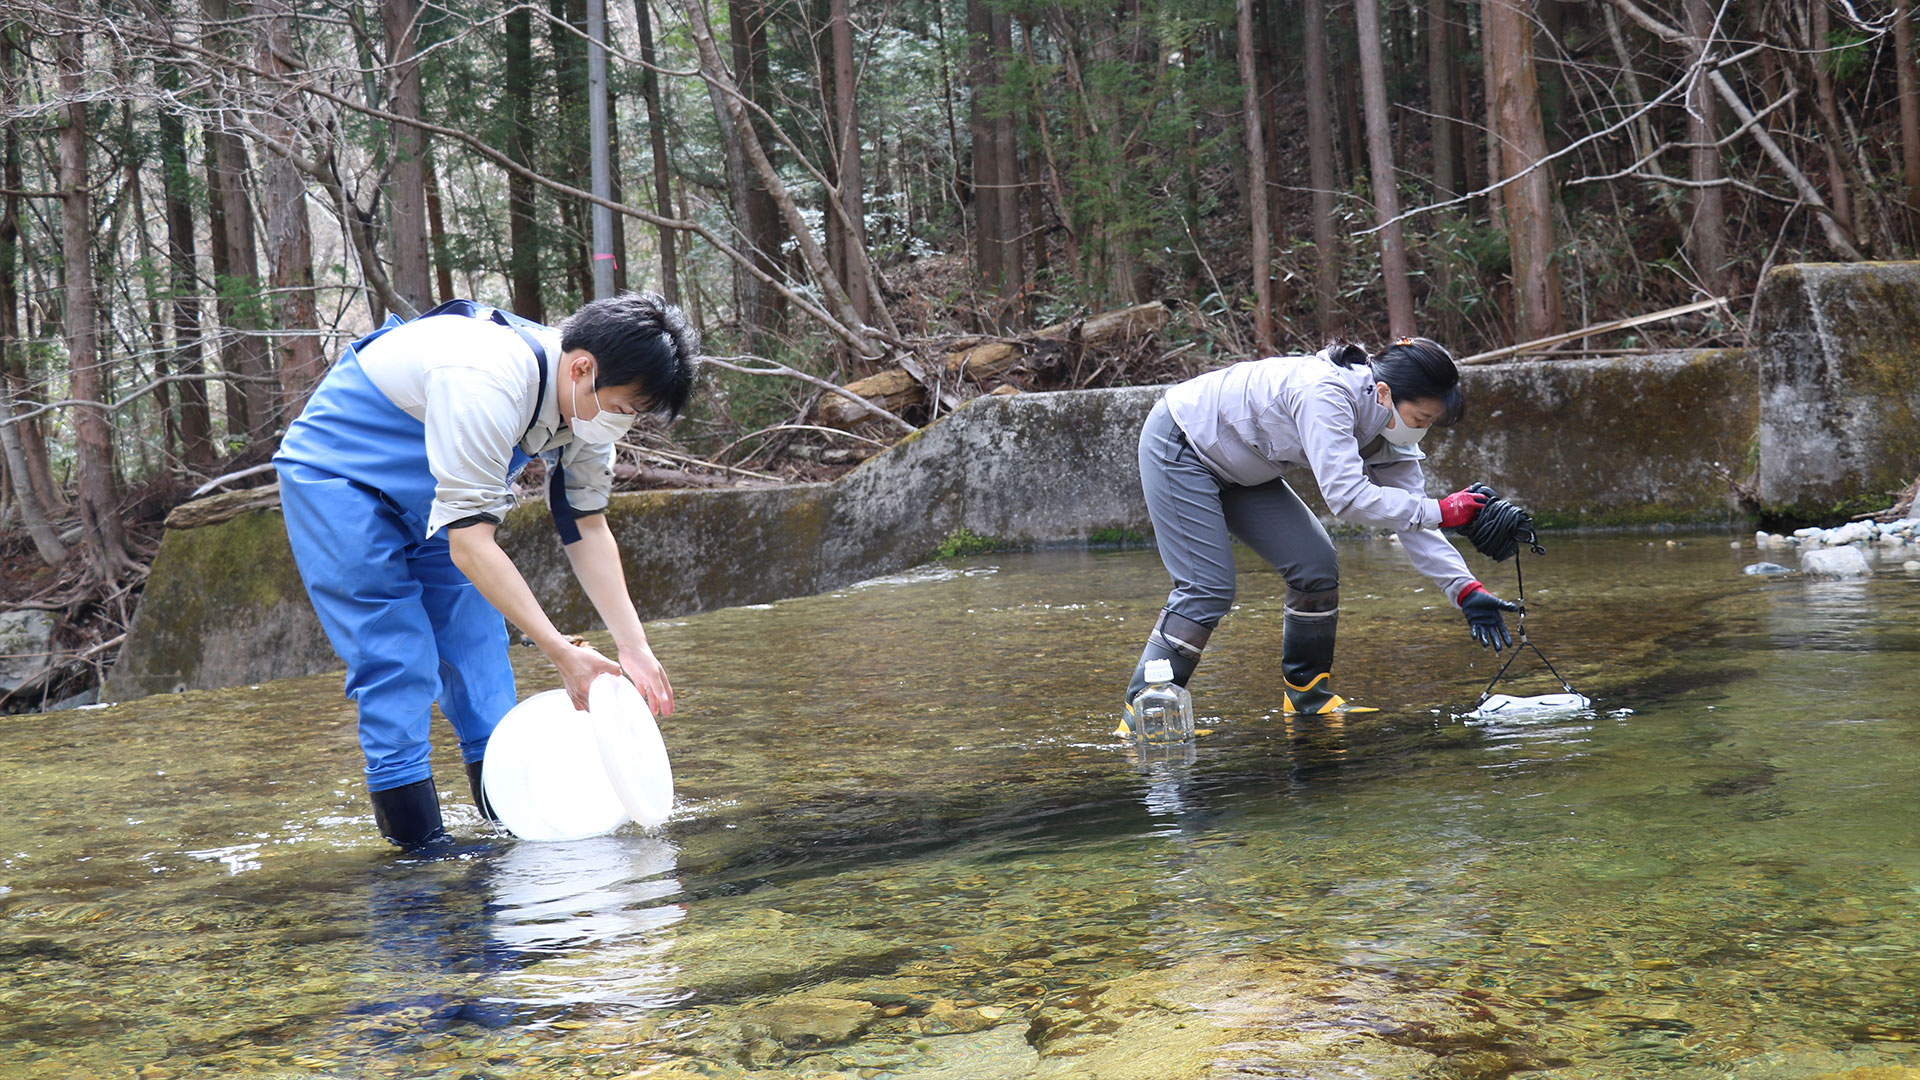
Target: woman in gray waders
x,y
1211,457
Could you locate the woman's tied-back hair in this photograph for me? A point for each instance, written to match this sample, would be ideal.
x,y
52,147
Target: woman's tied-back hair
x,y
637,340
1414,369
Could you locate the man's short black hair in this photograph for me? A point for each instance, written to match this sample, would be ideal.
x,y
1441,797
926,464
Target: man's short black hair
x,y
637,340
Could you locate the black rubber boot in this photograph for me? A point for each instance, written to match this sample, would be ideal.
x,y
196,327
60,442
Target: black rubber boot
x,y
480,792
1306,660
409,816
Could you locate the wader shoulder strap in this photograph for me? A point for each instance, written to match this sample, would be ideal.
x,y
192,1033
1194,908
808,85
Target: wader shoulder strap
x,y
563,516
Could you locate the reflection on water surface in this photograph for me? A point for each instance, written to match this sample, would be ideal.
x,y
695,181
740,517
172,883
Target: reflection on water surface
x,y
907,847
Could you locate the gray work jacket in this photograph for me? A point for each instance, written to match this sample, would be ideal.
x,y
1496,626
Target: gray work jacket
x,y
1252,421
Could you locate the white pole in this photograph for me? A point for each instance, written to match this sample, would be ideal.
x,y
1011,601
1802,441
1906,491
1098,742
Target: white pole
x,y
603,253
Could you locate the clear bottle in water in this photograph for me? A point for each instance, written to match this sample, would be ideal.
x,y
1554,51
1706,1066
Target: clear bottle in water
x,y
1163,712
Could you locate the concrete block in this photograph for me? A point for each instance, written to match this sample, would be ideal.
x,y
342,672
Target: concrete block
x,y
1622,441
26,646
1839,369
224,605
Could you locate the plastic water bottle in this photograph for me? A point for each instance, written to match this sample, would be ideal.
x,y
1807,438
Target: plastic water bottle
x,y
1163,712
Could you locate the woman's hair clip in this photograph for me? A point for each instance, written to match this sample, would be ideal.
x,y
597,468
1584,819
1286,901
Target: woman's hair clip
x,y
1403,341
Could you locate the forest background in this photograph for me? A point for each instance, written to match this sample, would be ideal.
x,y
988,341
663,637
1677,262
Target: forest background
x,y
205,200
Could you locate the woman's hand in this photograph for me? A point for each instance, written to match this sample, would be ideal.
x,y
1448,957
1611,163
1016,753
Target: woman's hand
x,y
1461,507
579,665
649,677
1482,610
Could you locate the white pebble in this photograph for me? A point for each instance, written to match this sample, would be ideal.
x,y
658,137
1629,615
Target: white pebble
x,y
1910,565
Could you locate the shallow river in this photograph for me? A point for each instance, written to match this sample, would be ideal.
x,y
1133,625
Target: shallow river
x,y
907,846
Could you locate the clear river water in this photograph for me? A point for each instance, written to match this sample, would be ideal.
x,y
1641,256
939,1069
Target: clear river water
x,y
907,846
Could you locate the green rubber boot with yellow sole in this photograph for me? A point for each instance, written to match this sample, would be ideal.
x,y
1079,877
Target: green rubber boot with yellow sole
x,y
1306,662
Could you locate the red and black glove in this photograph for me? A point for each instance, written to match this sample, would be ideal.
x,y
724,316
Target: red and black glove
x,y
1461,507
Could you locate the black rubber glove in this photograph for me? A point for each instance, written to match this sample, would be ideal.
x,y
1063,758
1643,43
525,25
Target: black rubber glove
x,y
1482,610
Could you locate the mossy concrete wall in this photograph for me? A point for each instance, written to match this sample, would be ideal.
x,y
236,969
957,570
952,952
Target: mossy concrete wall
x,y
224,605
1825,404
1839,348
1624,441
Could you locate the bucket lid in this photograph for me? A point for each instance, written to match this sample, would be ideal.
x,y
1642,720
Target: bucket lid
x,y
631,749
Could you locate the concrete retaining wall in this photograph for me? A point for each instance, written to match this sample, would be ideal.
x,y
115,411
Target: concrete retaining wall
x,y
224,605
1839,349
1626,441
1825,405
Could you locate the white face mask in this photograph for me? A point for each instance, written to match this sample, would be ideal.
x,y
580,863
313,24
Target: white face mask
x,y
1401,433
604,428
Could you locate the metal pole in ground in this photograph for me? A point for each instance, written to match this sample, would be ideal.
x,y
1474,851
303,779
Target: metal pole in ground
x,y
603,253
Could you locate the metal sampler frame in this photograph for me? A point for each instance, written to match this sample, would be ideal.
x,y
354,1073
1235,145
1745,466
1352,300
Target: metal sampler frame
x,y
1520,624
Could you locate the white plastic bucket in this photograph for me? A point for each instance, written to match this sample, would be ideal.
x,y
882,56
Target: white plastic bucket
x,y
555,773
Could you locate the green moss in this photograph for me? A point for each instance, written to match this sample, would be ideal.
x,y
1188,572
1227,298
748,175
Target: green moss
x,y
964,541
1116,538
217,575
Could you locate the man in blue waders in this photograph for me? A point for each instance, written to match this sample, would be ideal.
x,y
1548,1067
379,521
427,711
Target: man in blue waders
x,y
393,480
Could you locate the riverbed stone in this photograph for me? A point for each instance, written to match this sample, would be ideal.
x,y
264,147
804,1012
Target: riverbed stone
x,y
1839,368
26,644
1835,562
801,1022
767,948
948,1018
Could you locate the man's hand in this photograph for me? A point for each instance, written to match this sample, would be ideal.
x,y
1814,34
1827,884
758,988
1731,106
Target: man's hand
x,y
649,677
579,665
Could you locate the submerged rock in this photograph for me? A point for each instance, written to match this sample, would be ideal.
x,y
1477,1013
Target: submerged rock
x,y
817,1021
1765,568
1835,562
948,1018
768,949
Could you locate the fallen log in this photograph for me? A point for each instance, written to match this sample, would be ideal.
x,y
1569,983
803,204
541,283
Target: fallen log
x,y
215,509
1540,344
666,478
992,359
982,360
893,390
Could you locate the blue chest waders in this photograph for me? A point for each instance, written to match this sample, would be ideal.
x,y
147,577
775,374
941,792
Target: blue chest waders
x,y
357,493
